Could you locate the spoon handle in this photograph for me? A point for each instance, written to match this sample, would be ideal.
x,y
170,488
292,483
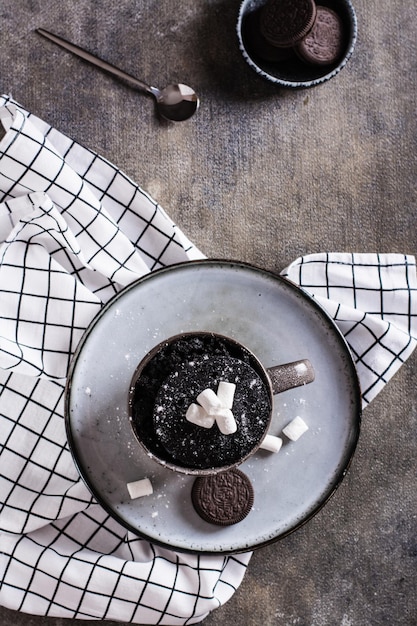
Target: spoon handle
x,y
91,58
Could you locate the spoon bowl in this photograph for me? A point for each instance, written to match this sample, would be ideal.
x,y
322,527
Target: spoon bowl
x,y
176,102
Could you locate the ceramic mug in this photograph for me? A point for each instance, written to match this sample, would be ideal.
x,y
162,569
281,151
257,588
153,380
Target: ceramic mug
x,y
173,374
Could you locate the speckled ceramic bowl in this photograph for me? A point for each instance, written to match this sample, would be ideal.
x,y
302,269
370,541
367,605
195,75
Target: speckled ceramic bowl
x,y
293,72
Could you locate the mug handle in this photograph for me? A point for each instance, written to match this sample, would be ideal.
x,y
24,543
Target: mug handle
x,y
290,375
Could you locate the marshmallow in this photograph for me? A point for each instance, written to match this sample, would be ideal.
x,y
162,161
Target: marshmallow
x,y
300,368
271,443
199,416
225,420
208,400
226,393
214,407
295,428
140,488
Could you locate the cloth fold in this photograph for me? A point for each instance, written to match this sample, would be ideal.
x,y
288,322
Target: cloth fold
x,y
372,299
74,230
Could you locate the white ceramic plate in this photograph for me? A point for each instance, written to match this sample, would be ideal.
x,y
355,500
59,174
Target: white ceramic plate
x,y
279,323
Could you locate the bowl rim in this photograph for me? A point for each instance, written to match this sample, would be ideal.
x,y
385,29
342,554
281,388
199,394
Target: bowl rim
x,y
244,9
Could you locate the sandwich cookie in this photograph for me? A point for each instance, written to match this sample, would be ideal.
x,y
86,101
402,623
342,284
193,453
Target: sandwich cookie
x,y
224,499
284,23
324,43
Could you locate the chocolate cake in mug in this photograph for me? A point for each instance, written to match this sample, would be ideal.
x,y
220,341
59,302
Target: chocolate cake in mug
x,y
168,386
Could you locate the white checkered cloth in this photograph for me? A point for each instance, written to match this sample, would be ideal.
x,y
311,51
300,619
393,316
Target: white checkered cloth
x,y
73,231
373,300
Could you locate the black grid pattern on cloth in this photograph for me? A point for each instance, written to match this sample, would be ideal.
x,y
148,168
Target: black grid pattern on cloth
x,y
39,482
59,577
152,232
45,304
373,300
88,230
30,163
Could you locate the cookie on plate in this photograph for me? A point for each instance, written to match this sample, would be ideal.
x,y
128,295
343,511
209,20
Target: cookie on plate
x,y
224,499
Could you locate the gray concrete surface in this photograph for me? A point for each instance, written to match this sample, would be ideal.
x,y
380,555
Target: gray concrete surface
x,y
263,175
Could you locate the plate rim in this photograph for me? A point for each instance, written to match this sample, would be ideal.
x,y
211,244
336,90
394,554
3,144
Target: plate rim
x,y
212,262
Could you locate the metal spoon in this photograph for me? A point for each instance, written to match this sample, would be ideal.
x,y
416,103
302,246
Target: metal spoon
x,y
176,102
